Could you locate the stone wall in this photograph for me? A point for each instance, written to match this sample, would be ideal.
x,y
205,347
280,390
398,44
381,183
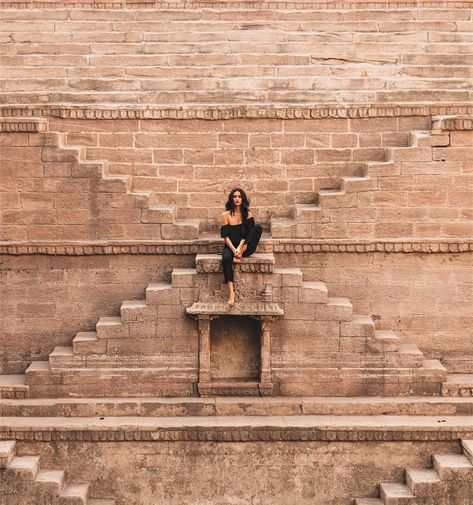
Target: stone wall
x,y
187,473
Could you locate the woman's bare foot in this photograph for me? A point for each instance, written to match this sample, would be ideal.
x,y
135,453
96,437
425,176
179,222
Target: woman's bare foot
x,y
231,299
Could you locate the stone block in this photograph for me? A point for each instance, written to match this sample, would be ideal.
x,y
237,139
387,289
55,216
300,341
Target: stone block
x,y
142,329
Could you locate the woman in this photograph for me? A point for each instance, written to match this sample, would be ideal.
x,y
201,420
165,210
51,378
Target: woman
x,y
240,233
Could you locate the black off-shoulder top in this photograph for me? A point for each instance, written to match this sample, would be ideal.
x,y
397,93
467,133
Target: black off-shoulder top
x,y
237,232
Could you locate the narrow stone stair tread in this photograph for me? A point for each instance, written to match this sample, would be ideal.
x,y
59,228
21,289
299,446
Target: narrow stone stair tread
x,y
75,491
422,476
51,476
452,461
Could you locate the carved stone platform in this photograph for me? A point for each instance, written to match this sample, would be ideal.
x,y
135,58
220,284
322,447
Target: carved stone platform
x,y
258,263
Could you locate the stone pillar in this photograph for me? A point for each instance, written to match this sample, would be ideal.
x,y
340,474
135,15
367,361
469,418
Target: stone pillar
x,y
204,354
266,383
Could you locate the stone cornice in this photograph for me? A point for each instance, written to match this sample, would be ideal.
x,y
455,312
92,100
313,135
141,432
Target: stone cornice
x,y
235,4
213,246
235,434
251,111
461,123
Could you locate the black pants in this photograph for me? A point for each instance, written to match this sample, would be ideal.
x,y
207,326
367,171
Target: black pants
x,y
251,241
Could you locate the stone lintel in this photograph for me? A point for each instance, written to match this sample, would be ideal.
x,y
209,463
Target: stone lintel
x,y
258,310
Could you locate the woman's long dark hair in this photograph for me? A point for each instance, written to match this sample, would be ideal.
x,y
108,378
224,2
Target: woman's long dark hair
x,y
245,204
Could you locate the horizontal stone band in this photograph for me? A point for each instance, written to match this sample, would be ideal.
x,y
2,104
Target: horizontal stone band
x,y
239,111
204,247
238,4
235,435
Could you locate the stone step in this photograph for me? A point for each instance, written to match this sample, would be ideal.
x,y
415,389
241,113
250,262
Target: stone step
x,y
451,465
429,139
303,213
63,356
7,452
358,326
258,262
395,493
467,446
185,229
161,292
52,479
86,342
74,494
458,385
158,214
236,406
422,482
26,467
350,184
13,386
111,327
368,501
101,501
137,311
331,198
336,309
313,292
290,277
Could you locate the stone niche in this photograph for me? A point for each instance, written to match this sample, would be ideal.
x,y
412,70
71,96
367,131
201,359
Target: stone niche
x,y
235,349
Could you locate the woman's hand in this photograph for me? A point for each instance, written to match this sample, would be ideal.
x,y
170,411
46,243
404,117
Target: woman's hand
x,y
237,252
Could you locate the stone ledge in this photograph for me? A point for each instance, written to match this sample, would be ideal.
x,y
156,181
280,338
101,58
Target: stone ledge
x,y
256,309
262,111
238,4
239,429
258,263
208,246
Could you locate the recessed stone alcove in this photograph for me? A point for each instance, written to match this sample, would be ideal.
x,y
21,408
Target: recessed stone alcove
x,y
235,348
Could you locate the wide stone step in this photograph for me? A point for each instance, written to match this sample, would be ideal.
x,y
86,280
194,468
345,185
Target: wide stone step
x,y
238,406
458,385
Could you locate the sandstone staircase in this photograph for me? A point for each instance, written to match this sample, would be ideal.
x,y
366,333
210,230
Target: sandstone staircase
x,y
122,203
34,484
356,192
448,481
151,348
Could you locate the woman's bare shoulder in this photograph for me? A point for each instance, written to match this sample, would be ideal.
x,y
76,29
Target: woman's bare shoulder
x,y
225,216
250,215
